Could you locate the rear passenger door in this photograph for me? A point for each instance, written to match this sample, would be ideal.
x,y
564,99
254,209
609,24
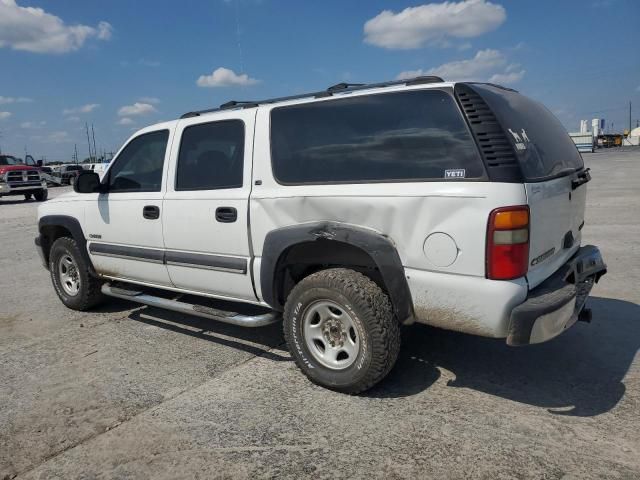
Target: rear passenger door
x,y
205,215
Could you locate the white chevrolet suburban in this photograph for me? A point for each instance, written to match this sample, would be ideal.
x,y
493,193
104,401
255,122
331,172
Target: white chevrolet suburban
x,y
347,213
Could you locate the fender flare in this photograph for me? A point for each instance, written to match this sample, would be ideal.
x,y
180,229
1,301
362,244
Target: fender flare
x,y
379,247
73,226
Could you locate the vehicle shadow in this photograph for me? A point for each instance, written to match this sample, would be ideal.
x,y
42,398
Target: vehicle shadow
x,y
16,201
266,342
579,373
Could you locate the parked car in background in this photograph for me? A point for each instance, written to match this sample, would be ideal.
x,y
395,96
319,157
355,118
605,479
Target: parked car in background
x,y
47,174
99,168
67,174
19,177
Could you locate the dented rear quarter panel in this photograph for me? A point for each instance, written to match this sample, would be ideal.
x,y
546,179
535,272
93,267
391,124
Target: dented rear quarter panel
x,y
407,213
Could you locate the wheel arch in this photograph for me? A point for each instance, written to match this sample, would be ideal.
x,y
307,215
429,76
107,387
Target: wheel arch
x,y
318,245
52,227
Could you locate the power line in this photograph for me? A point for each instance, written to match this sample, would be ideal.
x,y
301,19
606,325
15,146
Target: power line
x,y
238,35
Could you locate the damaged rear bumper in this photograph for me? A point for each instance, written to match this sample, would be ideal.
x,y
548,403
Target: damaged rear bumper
x,y
555,305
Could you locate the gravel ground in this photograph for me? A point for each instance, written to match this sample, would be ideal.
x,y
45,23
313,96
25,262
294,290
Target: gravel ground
x,y
134,392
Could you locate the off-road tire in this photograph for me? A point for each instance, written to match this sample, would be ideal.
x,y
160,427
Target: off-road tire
x,y
89,294
41,195
369,308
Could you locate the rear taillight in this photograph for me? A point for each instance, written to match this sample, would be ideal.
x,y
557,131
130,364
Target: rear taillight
x,y
508,243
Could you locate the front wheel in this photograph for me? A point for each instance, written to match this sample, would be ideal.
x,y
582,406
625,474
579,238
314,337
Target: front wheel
x,y
341,331
41,195
70,276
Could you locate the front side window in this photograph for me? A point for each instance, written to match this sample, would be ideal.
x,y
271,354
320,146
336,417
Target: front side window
x,y
404,136
211,156
138,168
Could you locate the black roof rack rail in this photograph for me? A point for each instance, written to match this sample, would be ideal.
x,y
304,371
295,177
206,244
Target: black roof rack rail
x,y
238,103
342,87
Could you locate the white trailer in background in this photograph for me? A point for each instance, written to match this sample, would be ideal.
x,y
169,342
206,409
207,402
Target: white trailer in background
x,y
584,141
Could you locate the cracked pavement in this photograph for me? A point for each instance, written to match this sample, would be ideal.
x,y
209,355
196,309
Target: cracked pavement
x,y
128,391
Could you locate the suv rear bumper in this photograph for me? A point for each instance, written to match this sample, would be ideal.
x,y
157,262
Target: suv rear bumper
x,y
555,304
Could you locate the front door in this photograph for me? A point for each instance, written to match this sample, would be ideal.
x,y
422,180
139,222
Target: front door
x,y
124,225
205,208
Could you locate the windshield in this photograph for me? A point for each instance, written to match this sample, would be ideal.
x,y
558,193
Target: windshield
x,y
9,160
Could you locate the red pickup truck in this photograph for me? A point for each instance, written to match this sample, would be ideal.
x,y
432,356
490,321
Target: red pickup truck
x,y
21,178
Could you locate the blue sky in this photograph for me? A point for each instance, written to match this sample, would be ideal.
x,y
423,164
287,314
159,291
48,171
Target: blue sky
x,y
122,65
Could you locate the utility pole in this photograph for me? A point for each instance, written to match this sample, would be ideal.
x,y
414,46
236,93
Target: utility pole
x,y
95,152
629,116
75,154
86,128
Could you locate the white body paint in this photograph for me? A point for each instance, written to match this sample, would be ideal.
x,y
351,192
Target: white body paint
x,y
446,274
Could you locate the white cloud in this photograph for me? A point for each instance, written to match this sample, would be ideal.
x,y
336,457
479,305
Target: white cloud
x,y
490,65
138,108
125,121
26,125
432,23
507,78
88,108
483,62
151,100
105,30
30,125
223,77
58,137
34,30
7,100
73,119
4,115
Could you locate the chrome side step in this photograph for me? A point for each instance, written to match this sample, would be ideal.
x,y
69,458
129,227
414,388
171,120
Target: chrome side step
x,y
198,310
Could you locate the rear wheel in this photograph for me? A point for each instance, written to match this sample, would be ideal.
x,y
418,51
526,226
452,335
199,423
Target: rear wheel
x,y
75,287
341,331
41,195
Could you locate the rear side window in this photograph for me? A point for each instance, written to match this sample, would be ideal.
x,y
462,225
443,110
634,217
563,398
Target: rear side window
x,y
542,145
138,168
211,156
404,136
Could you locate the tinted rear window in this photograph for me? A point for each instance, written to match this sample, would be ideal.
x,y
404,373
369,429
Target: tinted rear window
x,y
542,145
417,135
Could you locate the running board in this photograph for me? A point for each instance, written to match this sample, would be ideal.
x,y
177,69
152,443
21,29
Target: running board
x,y
232,318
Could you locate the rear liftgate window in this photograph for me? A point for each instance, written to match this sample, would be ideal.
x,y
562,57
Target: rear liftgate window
x,y
542,145
405,136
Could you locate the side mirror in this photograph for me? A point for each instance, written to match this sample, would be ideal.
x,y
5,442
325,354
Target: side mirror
x,y
39,163
87,182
